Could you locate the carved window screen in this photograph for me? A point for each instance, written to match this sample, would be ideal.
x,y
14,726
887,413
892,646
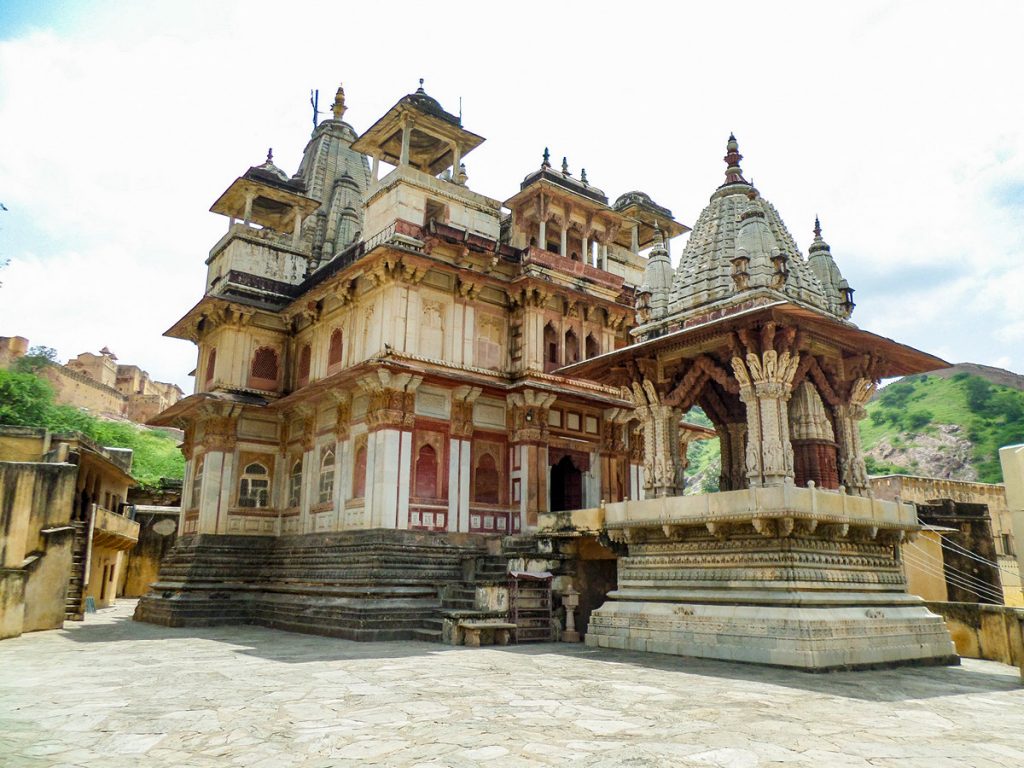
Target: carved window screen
x,y
264,365
254,487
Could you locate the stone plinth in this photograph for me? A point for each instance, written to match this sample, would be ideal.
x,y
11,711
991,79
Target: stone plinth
x,y
787,576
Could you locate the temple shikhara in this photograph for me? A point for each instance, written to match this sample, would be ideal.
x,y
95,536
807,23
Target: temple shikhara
x,y
421,412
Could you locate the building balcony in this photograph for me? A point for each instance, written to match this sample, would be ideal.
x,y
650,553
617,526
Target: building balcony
x,y
113,531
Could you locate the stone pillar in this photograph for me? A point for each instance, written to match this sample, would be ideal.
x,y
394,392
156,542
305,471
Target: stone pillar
x,y
604,257
852,472
406,135
375,171
247,215
390,417
585,255
297,228
456,160
565,239
218,491
635,239
663,471
528,433
542,235
766,384
460,456
342,450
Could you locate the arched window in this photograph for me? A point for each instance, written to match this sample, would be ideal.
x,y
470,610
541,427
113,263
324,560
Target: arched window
x,y
359,473
336,347
550,344
485,481
592,346
426,473
254,487
211,365
304,360
572,347
327,476
295,484
197,483
264,367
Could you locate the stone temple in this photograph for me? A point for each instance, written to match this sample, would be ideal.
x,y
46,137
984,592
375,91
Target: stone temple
x,y
421,412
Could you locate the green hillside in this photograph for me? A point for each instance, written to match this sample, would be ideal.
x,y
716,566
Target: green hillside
x,y
965,407
26,400
949,424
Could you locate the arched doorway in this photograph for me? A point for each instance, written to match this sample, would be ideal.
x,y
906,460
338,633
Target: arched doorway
x,y
566,486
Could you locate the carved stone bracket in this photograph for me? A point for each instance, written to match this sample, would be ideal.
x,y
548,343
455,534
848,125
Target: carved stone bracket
x,y
462,411
528,415
392,399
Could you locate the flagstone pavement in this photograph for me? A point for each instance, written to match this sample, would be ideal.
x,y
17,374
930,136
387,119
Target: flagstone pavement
x,y
112,692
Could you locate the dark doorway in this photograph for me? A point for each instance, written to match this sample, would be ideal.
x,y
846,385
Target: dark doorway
x,y
566,486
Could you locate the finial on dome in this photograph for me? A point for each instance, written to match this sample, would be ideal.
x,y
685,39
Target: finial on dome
x,y
733,173
420,89
817,228
565,166
583,175
270,155
659,238
546,162
339,103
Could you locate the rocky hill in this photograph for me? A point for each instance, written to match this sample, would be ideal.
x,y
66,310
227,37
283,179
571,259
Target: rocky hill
x,y
949,424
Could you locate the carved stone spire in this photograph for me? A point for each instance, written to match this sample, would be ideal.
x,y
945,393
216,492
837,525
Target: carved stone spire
x,y
565,166
821,262
339,103
546,162
733,173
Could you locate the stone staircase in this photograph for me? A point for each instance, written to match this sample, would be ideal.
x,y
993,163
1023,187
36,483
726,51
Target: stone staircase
x,y
359,585
73,601
486,581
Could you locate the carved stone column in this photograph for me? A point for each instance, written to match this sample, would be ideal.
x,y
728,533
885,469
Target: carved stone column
x,y
766,384
853,472
663,470
528,433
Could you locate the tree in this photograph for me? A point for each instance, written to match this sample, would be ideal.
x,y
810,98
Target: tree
x,y
36,359
25,400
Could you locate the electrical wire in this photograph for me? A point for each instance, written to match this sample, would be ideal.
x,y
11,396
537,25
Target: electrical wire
x,y
954,575
953,546
954,580
949,567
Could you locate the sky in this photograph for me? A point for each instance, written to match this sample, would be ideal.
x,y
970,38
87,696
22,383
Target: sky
x,y
898,123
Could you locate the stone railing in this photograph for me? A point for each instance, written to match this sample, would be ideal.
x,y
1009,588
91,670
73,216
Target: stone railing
x,y
112,530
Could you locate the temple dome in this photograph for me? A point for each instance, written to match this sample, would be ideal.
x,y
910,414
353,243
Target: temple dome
x,y
738,247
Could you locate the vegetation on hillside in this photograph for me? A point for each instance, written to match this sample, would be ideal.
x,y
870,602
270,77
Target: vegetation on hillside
x,y
904,415
989,415
27,400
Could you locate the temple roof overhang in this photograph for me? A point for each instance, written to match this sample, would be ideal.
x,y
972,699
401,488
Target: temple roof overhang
x,y
894,359
273,205
188,409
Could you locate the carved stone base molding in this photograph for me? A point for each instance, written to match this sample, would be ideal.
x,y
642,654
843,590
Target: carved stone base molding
x,y
787,576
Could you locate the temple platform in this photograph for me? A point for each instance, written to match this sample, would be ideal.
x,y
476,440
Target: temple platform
x,y
786,576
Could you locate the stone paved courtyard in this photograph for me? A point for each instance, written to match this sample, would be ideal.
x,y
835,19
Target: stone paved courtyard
x,y
112,692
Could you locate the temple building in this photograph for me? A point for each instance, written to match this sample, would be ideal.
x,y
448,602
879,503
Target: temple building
x,y
394,371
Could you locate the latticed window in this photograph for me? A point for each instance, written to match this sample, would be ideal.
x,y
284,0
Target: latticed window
x,y
327,476
295,485
197,483
304,361
264,364
336,347
485,480
211,365
359,474
254,487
